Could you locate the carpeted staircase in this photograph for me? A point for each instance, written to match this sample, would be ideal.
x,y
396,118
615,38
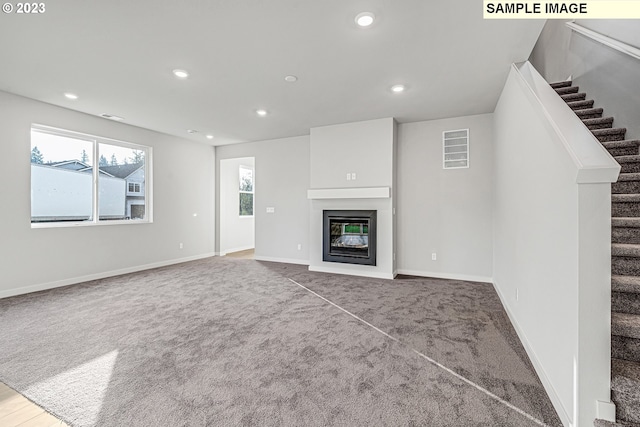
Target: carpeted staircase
x,y
625,256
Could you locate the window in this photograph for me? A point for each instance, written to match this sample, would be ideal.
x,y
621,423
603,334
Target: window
x,y
455,149
77,178
246,191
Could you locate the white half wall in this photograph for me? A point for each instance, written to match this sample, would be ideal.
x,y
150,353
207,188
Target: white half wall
x,y
282,180
183,206
446,212
552,258
236,232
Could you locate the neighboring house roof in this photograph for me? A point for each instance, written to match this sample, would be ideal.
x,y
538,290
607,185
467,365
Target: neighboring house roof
x,y
122,171
75,165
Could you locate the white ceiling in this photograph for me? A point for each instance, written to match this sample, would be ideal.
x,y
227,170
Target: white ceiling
x,y
118,57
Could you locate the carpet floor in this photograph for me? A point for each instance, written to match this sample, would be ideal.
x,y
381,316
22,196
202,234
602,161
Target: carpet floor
x,y
226,341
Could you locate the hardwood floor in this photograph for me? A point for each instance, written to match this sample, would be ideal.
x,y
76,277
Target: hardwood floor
x,y
16,410
248,254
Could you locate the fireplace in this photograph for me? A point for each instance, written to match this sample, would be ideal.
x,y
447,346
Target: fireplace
x,y
349,237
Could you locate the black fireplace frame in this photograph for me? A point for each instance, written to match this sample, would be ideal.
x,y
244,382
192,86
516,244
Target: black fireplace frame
x,y
369,215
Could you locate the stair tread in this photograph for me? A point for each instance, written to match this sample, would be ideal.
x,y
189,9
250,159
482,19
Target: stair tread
x,y
566,90
627,159
625,198
629,284
632,176
623,143
612,131
630,222
626,325
597,120
587,111
556,85
588,103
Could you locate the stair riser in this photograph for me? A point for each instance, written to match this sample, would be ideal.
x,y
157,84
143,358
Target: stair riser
x,y
611,137
630,167
574,97
566,90
595,126
625,187
627,409
581,105
625,302
625,209
557,85
625,235
625,348
623,151
583,116
625,266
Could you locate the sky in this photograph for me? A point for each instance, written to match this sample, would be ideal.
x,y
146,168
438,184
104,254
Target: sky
x,y
56,148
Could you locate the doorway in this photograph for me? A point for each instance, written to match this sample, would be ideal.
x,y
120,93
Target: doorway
x,y
237,207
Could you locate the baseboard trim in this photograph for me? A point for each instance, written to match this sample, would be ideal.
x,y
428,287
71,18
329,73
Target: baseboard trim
x,y
466,277
542,374
74,280
282,260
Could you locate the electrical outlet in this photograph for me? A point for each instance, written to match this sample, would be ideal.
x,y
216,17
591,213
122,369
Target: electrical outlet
x,y
299,246
433,256
353,176
348,177
181,246
271,210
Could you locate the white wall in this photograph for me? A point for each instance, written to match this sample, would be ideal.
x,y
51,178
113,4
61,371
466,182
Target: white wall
x,y
183,203
365,148
448,212
236,232
552,255
606,75
282,180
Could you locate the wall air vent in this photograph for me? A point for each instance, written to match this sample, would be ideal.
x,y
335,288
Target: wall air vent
x,y
455,149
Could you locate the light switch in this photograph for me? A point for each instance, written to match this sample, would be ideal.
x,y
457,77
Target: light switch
x,y
353,176
271,210
348,177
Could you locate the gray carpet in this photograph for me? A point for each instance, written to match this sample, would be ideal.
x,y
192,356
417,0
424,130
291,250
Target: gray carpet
x,y
235,342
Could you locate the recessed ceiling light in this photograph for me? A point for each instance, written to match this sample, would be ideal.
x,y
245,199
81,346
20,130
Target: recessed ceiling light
x,y
365,19
71,96
291,79
209,136
397,88
191,131
181,74
111,117
261,112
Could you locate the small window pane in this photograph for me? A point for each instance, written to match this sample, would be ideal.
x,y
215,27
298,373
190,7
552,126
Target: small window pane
x,y
246,204
246,179
121,182
61,178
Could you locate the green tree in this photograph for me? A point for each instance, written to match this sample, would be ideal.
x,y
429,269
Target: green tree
x,y
103,161
36,156
84,157
114,160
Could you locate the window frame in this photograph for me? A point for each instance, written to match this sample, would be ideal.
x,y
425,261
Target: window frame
x,y
96,141
252,192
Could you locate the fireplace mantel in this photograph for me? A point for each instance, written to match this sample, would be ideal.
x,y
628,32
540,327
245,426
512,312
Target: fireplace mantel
x,y
350,193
